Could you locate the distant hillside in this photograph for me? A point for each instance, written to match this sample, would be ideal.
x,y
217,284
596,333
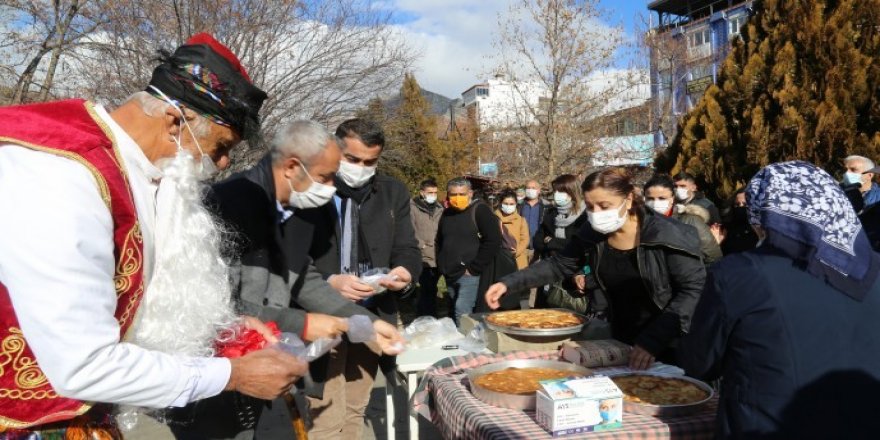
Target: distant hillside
x,y
439,103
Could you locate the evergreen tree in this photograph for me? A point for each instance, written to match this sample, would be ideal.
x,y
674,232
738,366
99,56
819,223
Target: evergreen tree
x,y
803,83
413,151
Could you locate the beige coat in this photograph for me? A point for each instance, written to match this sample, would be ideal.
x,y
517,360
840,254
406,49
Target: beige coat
x,y
518,228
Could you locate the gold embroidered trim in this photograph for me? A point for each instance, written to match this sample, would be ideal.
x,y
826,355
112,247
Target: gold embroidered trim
x,y
8,423
27,373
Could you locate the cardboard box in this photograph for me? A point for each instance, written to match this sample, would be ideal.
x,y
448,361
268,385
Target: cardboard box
x,y
573,406
501,342
601,353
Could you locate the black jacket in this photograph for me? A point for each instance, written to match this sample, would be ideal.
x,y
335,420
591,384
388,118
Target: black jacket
x,y
272,272
548,229
388,231
467,240
669,262
273,279
799,359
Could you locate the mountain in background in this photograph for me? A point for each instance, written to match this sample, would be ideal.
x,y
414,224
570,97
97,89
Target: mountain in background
x,y
439,103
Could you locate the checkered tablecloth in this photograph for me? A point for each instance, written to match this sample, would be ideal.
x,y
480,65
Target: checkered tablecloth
x,y
444,397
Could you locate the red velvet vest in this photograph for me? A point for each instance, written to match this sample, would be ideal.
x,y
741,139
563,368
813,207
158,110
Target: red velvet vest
x,y
70,129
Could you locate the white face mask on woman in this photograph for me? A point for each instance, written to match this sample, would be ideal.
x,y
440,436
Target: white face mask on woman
x,y
317,194
561,199
607,221
508,209
660,206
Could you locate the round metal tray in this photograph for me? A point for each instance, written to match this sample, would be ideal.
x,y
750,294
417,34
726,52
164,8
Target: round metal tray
x,y
537,331
667,410
517,401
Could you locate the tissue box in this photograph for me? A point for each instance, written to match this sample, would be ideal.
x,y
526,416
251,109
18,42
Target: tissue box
x,y
572,406
601,353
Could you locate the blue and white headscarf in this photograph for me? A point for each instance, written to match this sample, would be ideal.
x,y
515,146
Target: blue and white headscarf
x,y
809,219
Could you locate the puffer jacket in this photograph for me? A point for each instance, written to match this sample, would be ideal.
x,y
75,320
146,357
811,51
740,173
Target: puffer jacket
x,y
669,263
698,217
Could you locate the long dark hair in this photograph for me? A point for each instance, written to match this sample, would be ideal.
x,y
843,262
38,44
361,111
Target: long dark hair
x,y
618,182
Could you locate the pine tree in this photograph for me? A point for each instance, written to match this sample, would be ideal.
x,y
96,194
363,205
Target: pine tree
x,y
804,83
413,151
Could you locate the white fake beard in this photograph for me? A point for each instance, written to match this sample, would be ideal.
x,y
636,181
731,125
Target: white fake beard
x,y
189,297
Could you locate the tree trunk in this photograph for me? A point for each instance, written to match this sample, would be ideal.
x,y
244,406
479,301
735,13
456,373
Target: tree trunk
x,y
61,28
50,74
27,76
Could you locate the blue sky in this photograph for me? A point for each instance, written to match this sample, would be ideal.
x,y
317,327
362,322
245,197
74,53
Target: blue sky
x,y
455,36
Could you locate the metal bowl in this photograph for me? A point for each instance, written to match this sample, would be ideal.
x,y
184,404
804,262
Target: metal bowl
x,y
537,331
667,410
517,401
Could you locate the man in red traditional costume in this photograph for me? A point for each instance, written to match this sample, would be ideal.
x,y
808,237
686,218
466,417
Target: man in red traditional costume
x,y
112,288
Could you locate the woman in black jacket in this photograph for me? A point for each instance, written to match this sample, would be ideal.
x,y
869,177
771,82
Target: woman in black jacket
x,y
647,266
563,220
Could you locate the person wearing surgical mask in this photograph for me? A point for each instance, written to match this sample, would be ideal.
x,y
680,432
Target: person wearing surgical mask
x,y
425,212
858,182
646,268
367,225
515,230
520,197
687,193
562,220
659,196
274,277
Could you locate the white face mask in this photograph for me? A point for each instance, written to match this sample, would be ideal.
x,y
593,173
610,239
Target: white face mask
x,y
561,199
353,175
508,209
519,199
852,178
661,206
607,221
316,195
531,193
431,199
682,193
207,168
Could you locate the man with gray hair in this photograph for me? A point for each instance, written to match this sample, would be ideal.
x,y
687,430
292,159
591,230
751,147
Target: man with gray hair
x,y
468,238
858,182
273,276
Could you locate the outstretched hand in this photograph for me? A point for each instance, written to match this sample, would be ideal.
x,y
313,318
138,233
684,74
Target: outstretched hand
x,y
494,294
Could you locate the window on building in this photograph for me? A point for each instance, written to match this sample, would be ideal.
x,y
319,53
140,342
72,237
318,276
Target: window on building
x,y
482,91
735,25
699,37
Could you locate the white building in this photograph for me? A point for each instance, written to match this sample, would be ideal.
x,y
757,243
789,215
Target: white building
x,y
499,103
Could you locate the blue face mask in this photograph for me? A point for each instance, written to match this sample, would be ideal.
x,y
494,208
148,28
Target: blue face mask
x,y
606,415
852,178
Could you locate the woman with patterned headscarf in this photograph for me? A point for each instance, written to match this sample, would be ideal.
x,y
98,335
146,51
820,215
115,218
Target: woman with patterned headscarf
x,y
792,326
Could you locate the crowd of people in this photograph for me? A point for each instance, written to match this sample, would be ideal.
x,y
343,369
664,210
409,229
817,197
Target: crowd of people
x,y
122,270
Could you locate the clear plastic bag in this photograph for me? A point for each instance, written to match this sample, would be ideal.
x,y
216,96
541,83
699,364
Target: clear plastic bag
x,y
360,329
475,342
375,276
293,345
427,331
